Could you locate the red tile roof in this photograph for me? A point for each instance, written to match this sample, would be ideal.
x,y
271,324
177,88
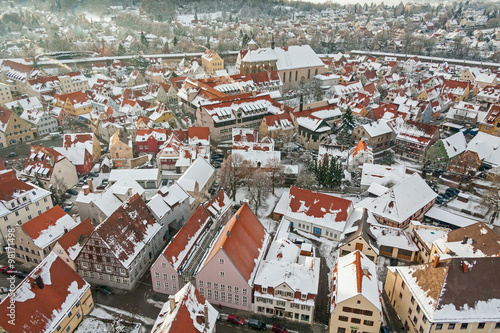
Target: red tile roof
x,y
182,242
242,239
42,311
318,204
202,133
72,237
70,140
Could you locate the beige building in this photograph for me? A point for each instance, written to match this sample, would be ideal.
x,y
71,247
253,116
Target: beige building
x,y
5,95
20,202
34,239
13,129
295,64
475,240
69,245
355,304
455,295
120,146
211,62
362,239
378,135
424,235
52,298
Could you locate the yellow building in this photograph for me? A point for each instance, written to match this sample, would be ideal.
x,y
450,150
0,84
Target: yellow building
x,y
13,129
454,295
52,298
491,123
362,239
355,304
75,104
211,62
5,95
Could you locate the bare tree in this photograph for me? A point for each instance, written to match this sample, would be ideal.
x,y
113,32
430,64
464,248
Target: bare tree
x,y
276,172
306,179
491,198
259,189
232,173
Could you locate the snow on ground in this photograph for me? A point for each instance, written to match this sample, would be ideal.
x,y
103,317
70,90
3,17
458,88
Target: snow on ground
x,y
188,18
267,209
100,320
120,312
154,303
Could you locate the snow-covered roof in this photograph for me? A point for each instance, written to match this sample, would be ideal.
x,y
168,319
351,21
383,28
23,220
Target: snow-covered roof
x,y
459,290
382,174
455,144
377,128
287,58
188,313
403,200
135,174
439,214
136,229
43,309
199,172
487,147
48,227
356,275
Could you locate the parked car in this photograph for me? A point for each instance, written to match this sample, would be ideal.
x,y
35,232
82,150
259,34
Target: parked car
x,y
440,200
384,329
279,329
232,318
216,165
11,154
6,270
104,290
257,324
93,174
68,206
452,191
72,191
101,187
21,274
446,196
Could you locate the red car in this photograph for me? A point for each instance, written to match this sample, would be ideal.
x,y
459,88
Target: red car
x,y
7,270
279,329
235,319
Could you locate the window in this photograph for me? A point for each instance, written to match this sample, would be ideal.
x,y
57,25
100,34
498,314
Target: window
x,y
341,330
236,289
223,296
216,285
216,295
424,319
222,287
158,284
464,326
481,325
244,291
236,299
412,300
174,278
209,293
200,283
439,327
244,300
174,287
368,323
343,318
157,275
356,320
209,284
418,308
165,286
221,261
165,277
221,274
229,289
451,326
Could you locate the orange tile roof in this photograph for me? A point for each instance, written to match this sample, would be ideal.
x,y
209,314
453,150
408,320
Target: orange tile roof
x,y
361,146
202,133
41,312
242,239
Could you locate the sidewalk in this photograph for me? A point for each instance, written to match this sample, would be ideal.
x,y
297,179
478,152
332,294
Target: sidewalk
x,y
292,326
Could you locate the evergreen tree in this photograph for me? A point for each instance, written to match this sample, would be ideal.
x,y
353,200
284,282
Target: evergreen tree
x,y
140,63
175,41
208,42
121,49
245,40
144,41
347,124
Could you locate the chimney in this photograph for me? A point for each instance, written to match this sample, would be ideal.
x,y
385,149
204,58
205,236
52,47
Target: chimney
x,y
39,282
206,315
301,106
366,272
465,266
91,185
436,260
464,241
86,189
171,301
237,216
272,42
254,93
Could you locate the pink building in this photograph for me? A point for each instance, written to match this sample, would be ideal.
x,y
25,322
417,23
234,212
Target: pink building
x,y
227,275
175,265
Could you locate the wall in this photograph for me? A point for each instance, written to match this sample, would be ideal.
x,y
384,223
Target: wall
x,y
357,302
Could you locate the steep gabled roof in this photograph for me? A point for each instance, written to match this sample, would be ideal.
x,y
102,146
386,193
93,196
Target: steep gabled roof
x,y
136,228
41,310
243,239
188,316
72,241
48,227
